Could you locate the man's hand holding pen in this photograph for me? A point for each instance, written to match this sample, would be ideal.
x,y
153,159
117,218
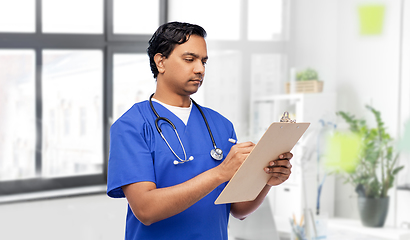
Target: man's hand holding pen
x,y
235,158
279,169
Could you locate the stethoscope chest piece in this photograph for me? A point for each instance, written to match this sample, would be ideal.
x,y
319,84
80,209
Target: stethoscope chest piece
x,y
217,154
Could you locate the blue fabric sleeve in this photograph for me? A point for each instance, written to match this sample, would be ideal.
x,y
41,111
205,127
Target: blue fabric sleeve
x,y
130,158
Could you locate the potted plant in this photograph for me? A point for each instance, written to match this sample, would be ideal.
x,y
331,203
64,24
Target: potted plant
x,y
306,75
307,81
376,168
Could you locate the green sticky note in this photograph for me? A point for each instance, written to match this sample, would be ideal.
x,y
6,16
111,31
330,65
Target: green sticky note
x,y
371,19
342,151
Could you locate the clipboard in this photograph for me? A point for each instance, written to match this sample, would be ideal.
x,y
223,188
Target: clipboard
x,y
251,178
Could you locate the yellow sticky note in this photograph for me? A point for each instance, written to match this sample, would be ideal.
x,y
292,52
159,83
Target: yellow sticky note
x,y
371,19
342,151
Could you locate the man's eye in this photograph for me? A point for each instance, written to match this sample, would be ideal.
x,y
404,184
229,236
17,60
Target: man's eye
x,y
204,63
189,59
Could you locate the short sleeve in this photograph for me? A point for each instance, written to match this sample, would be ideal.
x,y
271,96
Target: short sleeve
x,y
130,158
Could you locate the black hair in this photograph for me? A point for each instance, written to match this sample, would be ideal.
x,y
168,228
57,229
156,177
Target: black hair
x,y
166,37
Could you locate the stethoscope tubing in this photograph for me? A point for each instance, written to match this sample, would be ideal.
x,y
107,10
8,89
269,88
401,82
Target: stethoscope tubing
x,y
206,123
173,126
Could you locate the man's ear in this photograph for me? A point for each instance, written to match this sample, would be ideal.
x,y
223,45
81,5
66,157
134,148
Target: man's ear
x,y
159,61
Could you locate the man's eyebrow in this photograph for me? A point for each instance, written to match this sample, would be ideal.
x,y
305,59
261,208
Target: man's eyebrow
x,y
194,55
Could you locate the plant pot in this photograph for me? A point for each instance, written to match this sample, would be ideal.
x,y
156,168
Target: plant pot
x,y
308,86
373,211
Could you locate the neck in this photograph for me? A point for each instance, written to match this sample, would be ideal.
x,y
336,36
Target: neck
x,y
173,99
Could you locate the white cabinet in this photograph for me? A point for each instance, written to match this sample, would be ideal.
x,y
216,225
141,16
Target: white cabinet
x,y
300,190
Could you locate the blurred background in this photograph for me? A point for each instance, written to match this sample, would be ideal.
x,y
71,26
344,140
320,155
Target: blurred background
x,y
70,68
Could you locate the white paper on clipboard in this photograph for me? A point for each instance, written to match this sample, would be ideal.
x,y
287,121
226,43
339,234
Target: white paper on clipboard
x,y
250,178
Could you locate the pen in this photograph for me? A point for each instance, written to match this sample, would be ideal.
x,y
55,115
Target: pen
x,y
233,141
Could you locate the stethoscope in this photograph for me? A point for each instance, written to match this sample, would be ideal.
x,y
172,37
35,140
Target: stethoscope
x,y
216,153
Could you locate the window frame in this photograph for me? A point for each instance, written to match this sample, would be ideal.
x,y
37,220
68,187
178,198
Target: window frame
x,y
109,44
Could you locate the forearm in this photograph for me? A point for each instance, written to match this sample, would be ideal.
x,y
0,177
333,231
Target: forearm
x,y
241,210
153,204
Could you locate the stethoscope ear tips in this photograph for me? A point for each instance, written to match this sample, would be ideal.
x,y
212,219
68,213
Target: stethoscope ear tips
x,y
191,158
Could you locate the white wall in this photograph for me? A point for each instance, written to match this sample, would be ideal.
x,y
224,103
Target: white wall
x,y
362,69
369,72
82,218
314,35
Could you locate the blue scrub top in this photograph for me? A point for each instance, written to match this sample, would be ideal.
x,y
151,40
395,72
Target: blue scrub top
x,y
138,153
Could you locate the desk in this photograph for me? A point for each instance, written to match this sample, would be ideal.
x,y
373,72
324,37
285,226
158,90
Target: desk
x,y
339,229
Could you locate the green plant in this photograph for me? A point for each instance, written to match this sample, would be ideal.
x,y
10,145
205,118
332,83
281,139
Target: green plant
x,y
308,74
376,170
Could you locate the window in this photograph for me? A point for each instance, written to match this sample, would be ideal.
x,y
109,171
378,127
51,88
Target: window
x,y
58,16
266,20
221,23
67,69
72,87
17,106
132,82
14,18
129,12
248,52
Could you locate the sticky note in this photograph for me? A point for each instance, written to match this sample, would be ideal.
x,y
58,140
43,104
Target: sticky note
x,y
371,19
342,151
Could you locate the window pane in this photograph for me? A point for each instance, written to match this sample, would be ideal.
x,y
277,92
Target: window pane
x,y
16,18
133,81
265,19
221,19
72,16
136,16
17,111
72,112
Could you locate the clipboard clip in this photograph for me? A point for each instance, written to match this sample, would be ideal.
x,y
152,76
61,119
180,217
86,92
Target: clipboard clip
x,y
285,118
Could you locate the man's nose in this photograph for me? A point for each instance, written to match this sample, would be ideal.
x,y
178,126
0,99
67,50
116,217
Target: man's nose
x,y
199,67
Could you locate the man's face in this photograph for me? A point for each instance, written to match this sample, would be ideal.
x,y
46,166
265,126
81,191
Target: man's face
x,y
184,69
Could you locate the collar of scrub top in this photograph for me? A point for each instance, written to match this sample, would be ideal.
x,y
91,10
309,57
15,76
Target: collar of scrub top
x,y
216,153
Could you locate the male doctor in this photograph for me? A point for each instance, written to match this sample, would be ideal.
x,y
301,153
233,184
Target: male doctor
x,y
167,174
